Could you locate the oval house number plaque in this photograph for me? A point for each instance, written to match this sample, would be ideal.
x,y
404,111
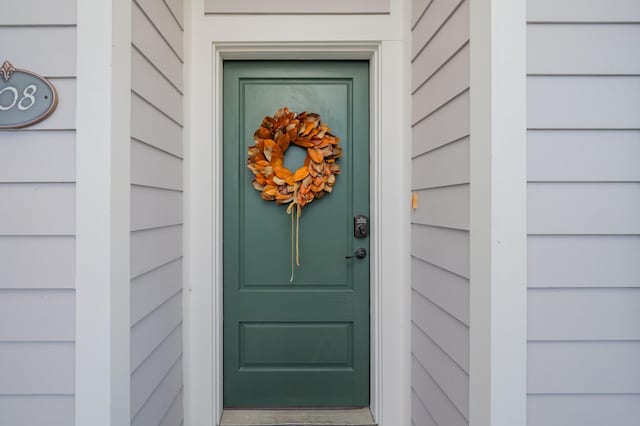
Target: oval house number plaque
x,y
25,97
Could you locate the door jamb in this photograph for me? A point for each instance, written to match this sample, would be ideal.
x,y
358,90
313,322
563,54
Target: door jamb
x,y
390,313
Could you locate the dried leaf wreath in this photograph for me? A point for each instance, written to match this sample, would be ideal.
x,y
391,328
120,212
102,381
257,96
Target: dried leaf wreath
x,y
312,180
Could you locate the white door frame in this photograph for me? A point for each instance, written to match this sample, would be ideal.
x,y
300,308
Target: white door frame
x,y
390,286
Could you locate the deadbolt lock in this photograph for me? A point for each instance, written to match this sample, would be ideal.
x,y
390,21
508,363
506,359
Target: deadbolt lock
x,y
360,226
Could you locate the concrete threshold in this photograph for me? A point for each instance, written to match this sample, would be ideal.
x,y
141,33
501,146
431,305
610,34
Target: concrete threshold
x,y
298,417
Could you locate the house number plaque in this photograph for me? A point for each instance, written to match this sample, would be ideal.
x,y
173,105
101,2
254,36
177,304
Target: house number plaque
x,y
25,97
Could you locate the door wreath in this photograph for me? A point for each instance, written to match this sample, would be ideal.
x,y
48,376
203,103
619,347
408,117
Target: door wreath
x,y
310,181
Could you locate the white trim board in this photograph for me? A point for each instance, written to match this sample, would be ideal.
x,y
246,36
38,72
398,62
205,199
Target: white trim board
x,y
103,213
296,7
498,228
390,243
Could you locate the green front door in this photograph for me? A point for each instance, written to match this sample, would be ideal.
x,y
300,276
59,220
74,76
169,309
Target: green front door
x,y
303,343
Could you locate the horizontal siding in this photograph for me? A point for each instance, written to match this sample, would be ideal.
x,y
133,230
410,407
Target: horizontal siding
x,y
36,315
151,85
583,49
37,224
164,16
418,8
603,314
150,43
155,168
165,134
440,407
583,102
449,123
583,261
449,376
149,332
583,209
450,292
154,288
450,38
174,416
443,247
451,335
176,7
48,51
446,207
156,212
437,16
146,378
440,182
155,207
37,368
448,82
583,11
37,410
584,368
447,165
17,13
37,262
37,209
592,410
603,155
154,247
420,416
161,400
37,157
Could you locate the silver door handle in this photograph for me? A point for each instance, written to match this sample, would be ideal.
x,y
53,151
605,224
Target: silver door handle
x,y
360,253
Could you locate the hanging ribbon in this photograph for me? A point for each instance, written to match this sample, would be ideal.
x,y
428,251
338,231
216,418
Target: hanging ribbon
x,y
295,246
311,181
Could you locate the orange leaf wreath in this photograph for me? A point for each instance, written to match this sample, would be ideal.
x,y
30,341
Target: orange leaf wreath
x,y
312,180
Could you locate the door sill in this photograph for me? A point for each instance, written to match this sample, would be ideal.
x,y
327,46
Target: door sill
x,y
297,417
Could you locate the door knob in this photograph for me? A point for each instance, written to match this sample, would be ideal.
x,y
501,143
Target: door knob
x,y
358,254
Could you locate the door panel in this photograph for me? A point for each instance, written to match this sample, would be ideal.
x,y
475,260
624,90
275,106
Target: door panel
x,y
306,342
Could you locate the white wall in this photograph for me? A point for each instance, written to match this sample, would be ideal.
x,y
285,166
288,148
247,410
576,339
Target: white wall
x,y
37,225
440,223
584,210
156,213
